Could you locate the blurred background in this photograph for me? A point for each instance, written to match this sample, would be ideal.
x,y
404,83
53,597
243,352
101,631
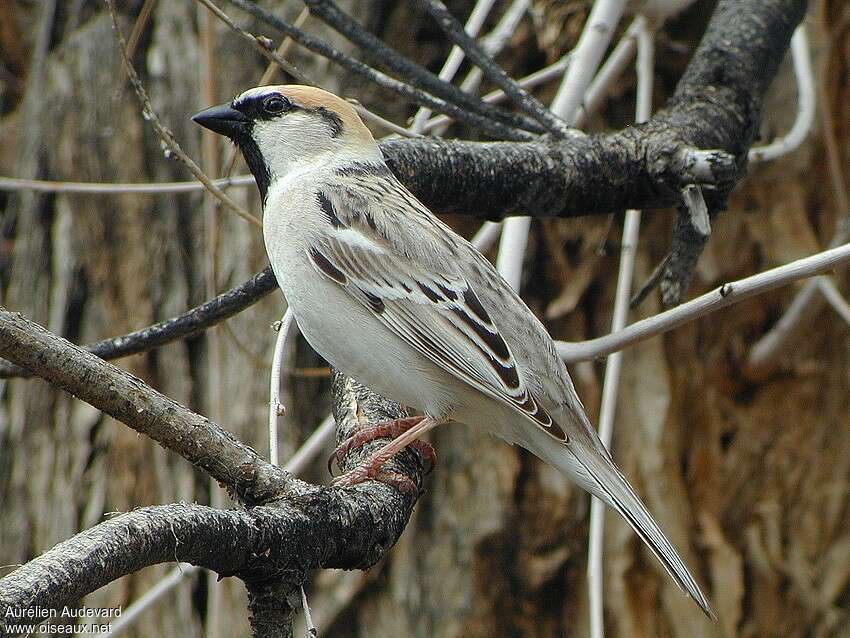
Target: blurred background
x,y
748,474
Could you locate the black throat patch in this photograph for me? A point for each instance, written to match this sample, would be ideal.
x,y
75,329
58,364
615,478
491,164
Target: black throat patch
x,y
256,163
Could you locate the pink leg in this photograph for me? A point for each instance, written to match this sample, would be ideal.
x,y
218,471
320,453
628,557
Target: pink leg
x,y
386,429
371,468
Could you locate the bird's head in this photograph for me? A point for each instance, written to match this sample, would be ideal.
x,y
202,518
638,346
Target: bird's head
x,y
278,128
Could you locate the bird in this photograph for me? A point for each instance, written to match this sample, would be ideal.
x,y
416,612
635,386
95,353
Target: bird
x,y
391,296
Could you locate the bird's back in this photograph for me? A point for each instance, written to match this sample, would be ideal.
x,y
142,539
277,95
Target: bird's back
x,y
418,237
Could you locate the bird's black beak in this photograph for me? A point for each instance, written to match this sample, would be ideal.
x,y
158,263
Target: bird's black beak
x,y
223,119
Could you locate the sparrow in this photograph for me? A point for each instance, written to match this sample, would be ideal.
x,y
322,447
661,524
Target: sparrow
x,y
392,297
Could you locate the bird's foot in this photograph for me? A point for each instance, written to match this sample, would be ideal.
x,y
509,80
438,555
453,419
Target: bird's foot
x,y
403,433
387,429
370,472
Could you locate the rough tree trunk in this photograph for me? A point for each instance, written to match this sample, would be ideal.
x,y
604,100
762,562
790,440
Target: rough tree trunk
x,y
750,480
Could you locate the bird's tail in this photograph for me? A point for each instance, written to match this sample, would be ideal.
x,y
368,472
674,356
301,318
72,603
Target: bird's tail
x,y
601,476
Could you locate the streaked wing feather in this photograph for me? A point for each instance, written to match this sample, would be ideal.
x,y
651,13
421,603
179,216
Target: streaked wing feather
x,y
436,312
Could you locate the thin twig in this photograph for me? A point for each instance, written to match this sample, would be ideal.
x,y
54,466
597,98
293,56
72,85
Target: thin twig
x,y
486,236
183,326
262,45
139,27
369,116
834,297
650,283
721,297
806,106
104,188
276,407
609,72
613,366
165,135
482,122
312,632
496,40
492,71
437,124
587,55
511,255
473,25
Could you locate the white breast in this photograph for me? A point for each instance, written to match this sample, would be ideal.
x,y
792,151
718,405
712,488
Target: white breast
x,y
335,324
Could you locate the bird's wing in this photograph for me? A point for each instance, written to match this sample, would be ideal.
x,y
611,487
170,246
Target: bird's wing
x,y
410,270
416,287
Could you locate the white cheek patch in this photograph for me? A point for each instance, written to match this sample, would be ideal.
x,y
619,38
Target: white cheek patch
x,y
289,140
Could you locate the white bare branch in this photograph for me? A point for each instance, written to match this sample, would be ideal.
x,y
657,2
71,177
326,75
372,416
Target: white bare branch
x,y
721,297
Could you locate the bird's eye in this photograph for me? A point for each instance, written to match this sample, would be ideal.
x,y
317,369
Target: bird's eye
x,y
275,104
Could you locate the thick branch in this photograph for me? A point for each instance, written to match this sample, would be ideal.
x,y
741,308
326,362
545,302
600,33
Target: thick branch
x,y
128,399
268,546
715,106
300,527
635,168
127,543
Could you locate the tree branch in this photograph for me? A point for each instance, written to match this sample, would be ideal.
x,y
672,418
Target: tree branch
x,y
188,324
715,106
496,74
642,167
127,543
721,297
297,528
128,399
437,95
637,168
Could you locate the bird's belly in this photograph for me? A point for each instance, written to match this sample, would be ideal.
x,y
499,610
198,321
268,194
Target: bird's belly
x,y
353,340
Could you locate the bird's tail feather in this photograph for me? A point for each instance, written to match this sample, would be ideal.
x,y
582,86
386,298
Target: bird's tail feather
x,y
614,489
